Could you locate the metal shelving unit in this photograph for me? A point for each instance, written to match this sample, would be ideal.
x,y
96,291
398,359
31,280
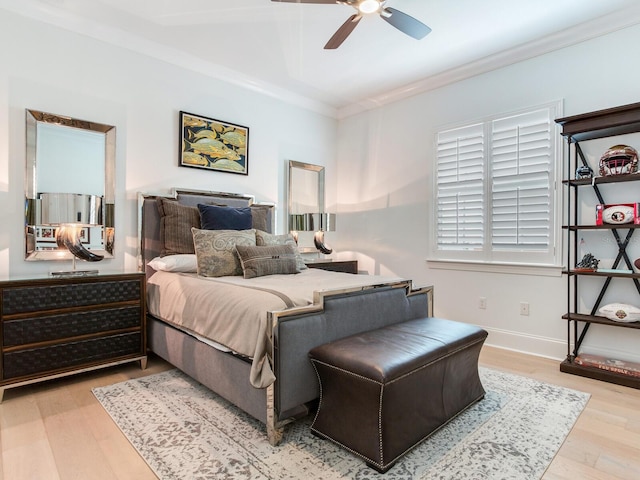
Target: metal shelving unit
x,y
576,129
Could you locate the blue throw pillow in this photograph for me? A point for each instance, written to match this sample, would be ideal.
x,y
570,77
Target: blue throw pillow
x,y
213,217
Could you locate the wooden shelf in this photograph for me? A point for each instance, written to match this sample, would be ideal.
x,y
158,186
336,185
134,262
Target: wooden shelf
x,y
580,317
627,177
622,226
602,274
602,123
598,374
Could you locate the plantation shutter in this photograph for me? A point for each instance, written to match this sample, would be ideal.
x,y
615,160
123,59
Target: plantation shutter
x,y
522,156
460,188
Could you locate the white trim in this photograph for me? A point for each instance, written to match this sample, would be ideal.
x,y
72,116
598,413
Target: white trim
x,y
485,253
41,12
607,24
511,268
545,347
625,17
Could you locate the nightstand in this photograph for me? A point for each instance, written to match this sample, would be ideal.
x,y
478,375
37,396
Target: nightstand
x,y
51,327
346,266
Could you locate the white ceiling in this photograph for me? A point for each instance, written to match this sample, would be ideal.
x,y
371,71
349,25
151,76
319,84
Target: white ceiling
x,y
277,48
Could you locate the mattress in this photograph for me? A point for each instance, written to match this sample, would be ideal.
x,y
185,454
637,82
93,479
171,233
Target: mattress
x,y
233,311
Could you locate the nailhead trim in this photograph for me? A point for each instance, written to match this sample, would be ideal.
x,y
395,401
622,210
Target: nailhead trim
x,y
382,464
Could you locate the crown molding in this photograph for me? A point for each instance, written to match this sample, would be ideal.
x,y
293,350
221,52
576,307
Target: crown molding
x,y
580,33
48,13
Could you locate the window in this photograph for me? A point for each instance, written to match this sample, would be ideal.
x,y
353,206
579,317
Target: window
x,y
496,190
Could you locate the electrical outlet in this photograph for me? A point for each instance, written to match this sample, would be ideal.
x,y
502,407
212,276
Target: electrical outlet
x,y
524,308
482,303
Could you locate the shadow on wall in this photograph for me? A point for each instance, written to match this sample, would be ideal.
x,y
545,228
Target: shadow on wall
x,y
388,234
4,214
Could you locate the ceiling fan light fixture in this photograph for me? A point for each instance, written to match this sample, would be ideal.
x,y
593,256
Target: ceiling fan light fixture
x,y
369,6
397,19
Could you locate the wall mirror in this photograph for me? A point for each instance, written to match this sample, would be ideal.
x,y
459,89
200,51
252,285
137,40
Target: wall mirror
x,y
306,204
70,179
306,190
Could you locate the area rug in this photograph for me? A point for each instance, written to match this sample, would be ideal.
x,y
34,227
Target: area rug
x,y
185,431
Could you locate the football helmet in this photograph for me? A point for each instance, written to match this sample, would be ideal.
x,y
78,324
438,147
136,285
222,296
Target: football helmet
x,y
618,160
583,172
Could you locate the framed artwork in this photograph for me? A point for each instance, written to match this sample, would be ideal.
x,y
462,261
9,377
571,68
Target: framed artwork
x,y
213,144
48,234
45,234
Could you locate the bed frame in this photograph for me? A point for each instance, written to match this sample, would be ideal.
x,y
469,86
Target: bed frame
x,y
333,315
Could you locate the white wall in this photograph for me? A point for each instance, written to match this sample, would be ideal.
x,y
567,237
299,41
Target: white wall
x,y
385,159
46,68
382,173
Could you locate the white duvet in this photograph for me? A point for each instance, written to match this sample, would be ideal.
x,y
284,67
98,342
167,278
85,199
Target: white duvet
x,y
232,311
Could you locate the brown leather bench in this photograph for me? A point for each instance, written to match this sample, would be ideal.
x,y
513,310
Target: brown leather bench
x,y
382,392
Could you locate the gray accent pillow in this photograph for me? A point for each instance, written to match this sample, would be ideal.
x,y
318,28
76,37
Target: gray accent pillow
x,y
216,250
176,221
267,260
259,216
264,238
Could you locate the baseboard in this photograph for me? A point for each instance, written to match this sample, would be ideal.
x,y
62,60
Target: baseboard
x,y
529,344
547,347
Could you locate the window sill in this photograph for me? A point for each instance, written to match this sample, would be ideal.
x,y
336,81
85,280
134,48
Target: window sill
x,y
511,268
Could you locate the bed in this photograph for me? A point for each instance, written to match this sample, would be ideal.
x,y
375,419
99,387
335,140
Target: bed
x,y
270,377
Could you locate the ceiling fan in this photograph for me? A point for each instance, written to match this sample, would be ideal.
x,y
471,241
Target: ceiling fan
x,y
403,22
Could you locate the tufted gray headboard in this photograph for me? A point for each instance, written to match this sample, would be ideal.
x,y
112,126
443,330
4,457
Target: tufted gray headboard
x,y
149,217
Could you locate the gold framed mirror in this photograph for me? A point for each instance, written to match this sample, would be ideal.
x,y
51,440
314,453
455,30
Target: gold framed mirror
x,y
70,179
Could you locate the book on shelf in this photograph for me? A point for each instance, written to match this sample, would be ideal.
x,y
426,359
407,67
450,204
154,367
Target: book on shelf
x,y
603,363
614,270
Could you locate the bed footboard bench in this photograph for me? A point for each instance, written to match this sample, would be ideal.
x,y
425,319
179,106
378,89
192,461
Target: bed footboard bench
x,y
385,391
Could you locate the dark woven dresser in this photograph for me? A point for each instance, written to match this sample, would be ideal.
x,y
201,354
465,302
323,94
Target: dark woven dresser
x,y
56,326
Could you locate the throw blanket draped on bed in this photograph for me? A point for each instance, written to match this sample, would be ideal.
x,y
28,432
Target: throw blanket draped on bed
x,y
232,311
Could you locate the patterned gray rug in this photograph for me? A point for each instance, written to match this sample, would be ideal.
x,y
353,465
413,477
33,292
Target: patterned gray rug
x,y
184,431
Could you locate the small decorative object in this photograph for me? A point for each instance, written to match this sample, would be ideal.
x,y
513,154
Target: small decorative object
x,y
213,144
583,172
637,263
619,160
618,214
620,312
589,263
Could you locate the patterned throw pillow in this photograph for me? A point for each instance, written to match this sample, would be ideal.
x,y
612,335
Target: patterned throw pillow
x,y
176,221
267,260
216,250
264,238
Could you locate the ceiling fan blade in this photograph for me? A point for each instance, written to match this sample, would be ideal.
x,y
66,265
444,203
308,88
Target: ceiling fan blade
x,y
405,23
306,1
343,32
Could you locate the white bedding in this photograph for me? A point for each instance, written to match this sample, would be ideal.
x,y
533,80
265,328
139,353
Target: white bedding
x,y
232,311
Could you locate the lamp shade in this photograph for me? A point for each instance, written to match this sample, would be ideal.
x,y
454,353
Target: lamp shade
x,y
312,222
325,222
301,222
79,209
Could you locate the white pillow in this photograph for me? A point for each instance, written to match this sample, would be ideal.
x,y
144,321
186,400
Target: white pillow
x,y
621,312
185,263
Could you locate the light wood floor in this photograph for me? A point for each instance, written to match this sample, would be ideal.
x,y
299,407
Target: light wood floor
x,y
58,430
